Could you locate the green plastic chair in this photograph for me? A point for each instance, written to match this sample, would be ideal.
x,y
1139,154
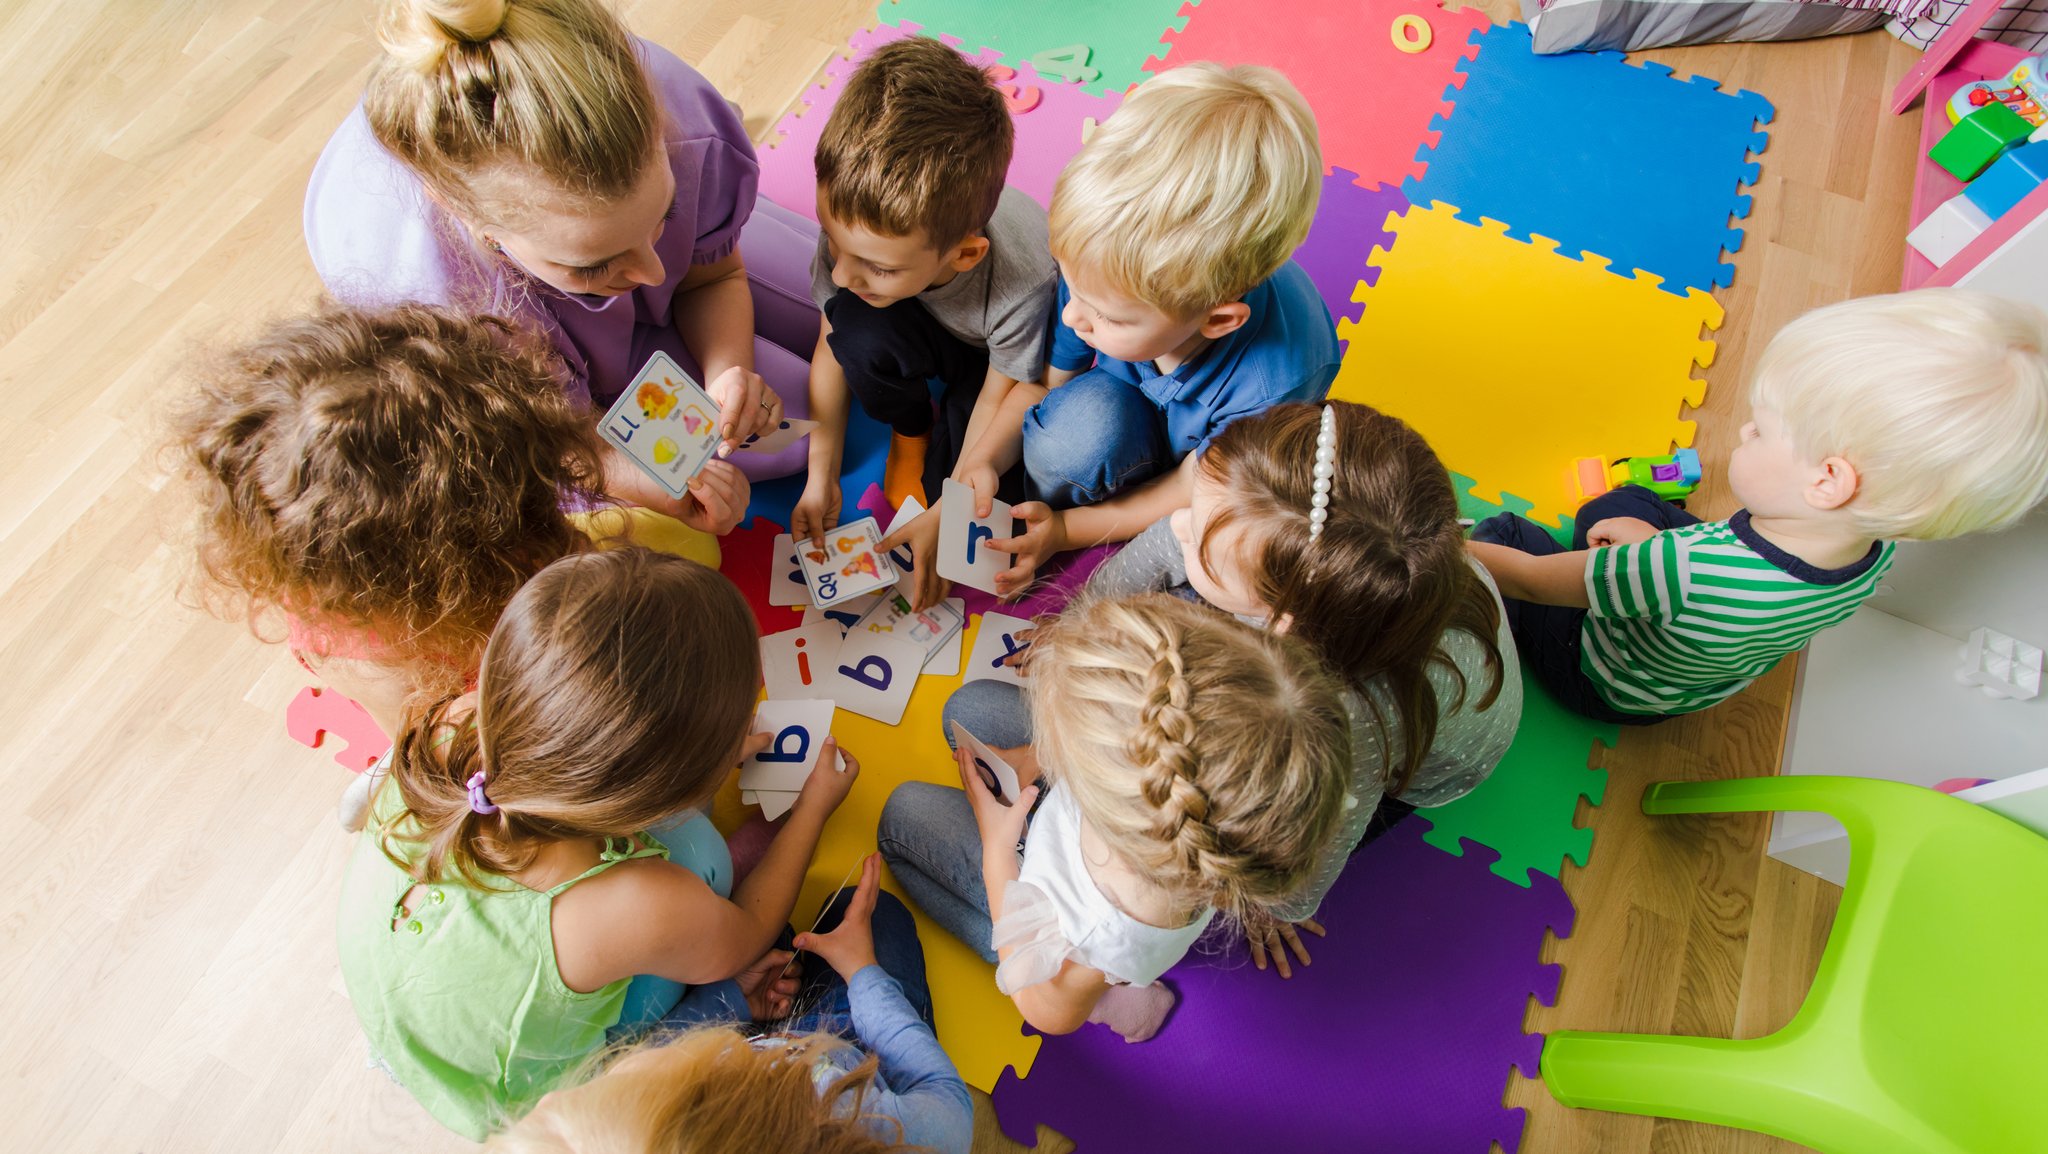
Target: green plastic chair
x,y
1926,1027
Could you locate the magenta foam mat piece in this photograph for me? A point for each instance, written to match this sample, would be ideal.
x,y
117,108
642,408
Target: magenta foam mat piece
x,y
1399,1037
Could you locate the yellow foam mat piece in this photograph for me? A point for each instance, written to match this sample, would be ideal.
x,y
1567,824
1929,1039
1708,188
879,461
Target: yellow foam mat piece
x,y
977,1024
1514,360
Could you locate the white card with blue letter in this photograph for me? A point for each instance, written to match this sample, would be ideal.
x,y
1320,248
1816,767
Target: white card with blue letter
x,y
875,674
995,773
847,565
796,732
786,584
665,423
796,663
846,614
901,556
992,648
964,556
787,432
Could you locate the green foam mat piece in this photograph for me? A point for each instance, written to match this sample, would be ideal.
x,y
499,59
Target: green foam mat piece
x,y
1527,810
1102,43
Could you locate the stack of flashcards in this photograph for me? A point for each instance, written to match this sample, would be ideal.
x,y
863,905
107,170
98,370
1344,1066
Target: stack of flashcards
x,y
797,732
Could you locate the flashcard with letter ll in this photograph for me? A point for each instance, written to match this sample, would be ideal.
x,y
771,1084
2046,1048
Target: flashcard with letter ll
x,y
849,564
964,555
797,731
796,663
995,773
875,674
665,423
993,647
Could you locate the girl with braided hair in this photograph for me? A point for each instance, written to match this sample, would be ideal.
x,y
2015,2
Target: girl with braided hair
x,y
1193,767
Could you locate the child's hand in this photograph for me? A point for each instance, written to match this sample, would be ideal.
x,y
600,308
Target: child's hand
x,y
817,511
984,481
1019,658
717,499
828,784
746,407
769,984
922,535
1269,936
1044,536
1619,531
1001,824
850,947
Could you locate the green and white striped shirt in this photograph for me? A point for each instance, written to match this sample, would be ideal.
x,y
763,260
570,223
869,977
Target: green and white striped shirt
x,y
1690,616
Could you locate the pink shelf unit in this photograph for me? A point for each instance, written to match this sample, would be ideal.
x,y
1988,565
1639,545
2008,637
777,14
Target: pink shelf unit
x,y
1955,60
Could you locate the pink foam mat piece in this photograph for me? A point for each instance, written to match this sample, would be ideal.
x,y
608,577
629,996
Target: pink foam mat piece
x,y
318,714
1050,117
1373,102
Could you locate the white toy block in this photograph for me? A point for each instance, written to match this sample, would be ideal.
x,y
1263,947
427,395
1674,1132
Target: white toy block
x,y
1949,229
2001,666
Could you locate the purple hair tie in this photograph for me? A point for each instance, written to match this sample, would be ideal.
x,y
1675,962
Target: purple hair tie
x,y
478,803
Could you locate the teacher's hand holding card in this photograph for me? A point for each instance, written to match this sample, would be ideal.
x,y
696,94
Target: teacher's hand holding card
x,y
747,408
667,428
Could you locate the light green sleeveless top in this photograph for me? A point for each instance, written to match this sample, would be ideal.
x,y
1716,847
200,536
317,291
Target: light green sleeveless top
x,y
461,998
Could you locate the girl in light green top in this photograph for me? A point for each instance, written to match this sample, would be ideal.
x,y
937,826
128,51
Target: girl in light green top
x,y
504,893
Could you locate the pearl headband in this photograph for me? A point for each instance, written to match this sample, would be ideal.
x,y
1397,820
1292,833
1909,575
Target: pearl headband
x,y
1326,468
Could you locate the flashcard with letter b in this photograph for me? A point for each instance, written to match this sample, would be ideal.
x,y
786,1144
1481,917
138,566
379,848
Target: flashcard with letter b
x,y
796,732
665,423
964,555
875,674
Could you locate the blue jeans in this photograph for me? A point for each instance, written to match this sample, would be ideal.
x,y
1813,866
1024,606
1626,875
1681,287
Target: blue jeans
x,y
1091,438
928,835
1551,638
821,1002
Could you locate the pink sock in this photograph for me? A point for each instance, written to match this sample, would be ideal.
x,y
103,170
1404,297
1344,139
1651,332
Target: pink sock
x,y
1135,1012
749,844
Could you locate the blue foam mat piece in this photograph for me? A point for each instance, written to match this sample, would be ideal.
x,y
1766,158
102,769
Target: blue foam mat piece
x,y
1605,157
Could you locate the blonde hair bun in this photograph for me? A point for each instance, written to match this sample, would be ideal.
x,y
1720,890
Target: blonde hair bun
x,y
417,33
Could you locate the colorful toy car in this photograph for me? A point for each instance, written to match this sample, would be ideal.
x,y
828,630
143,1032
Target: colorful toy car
x,y
1671,477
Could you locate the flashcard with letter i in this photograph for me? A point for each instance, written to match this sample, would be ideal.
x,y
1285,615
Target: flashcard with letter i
x,y
964,555
665,423
796,663
850,563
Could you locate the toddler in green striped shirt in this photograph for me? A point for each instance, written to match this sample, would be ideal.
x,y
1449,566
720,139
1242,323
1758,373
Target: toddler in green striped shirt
x,y
1915,416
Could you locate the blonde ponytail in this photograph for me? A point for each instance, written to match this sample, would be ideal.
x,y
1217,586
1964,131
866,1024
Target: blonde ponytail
x,y
552,87
1212,757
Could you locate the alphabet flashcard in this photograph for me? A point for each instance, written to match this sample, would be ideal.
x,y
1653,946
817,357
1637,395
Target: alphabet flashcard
x,y
995,773
796,663
665,423
875,674
786,584
848,564
797,731
993,647
964,555
846,614
901,556
787,432
946,662
931,628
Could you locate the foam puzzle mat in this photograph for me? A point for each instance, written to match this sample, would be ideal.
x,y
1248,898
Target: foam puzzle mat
x,y
1606,157
1102,45
1514,359
1398,1037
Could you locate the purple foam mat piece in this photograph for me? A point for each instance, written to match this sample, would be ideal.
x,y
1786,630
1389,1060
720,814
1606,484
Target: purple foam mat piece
x,y
1350,222
1398,1037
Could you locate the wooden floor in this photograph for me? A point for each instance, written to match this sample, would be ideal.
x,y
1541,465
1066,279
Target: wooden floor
x,y
167,967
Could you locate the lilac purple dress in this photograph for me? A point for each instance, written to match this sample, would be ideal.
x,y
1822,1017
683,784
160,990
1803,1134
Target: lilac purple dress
x,y
376,239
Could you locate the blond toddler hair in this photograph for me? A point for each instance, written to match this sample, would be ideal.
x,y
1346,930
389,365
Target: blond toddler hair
x,y
1199,188
1211,757
1937,397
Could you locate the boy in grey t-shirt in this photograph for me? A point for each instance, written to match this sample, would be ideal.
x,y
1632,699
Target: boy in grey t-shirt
x,y
927,266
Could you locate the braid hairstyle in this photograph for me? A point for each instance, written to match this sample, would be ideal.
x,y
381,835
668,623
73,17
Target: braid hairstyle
x,y
1213,758
1387,577
616,691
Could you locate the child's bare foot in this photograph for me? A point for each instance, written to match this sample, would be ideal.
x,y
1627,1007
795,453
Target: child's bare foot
x,y
1135,1012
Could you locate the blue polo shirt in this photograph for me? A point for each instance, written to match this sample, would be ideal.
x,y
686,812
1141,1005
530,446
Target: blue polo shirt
x,y
1286,351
